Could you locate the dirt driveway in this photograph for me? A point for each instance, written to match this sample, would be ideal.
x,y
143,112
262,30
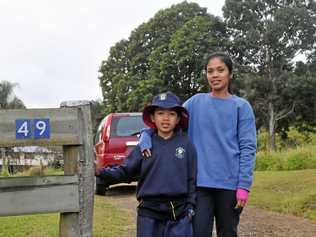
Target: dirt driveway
x,y
254,222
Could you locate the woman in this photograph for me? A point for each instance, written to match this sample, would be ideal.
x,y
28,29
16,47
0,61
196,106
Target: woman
x,y
222,128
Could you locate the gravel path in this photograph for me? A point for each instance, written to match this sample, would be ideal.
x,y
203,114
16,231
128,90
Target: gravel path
x,y
254,222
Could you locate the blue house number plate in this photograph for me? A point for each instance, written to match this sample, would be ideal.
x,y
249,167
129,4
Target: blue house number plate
x,y
32,128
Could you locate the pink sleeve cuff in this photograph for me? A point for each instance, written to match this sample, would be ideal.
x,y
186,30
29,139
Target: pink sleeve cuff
x,y
242,194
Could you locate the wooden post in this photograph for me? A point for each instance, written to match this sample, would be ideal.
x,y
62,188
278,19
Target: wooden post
x,y
80,160
69,225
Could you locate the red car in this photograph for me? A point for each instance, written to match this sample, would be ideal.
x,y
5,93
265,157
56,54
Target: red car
x,y
116,136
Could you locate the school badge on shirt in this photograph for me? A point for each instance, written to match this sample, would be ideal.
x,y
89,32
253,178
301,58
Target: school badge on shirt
x,y
180,151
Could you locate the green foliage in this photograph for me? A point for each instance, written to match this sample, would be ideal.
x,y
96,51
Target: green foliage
x,y
292,159
297,151
181,66
269,161
266,37
270,33
165,53
313,139
303,90
294,139
290,192
7,98
302,158
4,171
262,140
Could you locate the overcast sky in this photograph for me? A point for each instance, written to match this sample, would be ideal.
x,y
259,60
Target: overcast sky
x,y
53,48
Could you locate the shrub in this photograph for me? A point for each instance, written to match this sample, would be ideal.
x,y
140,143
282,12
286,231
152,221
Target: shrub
x,y
297,160
291,159
262,140
4,171
294,139
269,161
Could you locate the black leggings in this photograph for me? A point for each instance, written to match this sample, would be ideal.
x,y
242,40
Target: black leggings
x,y
218,204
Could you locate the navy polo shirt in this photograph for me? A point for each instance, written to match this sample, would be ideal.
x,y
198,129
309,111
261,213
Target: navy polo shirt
x,y
169,173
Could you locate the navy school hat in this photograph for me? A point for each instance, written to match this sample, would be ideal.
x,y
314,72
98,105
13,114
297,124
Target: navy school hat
x,y
167,100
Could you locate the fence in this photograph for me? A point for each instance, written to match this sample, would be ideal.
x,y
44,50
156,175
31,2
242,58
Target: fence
x,y
70,195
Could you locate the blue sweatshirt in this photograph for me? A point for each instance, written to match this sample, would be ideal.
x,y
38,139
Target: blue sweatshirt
x,y
224,133
170,172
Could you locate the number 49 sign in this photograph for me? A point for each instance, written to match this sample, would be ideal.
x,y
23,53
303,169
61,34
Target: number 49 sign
x,y
32,128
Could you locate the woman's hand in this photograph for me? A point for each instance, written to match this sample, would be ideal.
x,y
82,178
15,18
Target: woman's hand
x,y
242,198
146,153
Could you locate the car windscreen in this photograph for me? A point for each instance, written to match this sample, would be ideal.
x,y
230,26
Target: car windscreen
x,y
126,126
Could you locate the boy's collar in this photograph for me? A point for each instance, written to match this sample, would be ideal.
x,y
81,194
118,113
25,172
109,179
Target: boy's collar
x,y
176,133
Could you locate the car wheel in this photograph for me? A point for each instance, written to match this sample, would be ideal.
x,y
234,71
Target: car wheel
x,y
100,189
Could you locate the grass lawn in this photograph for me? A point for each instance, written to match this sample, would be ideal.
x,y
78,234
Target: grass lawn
x,y
108,222
292,192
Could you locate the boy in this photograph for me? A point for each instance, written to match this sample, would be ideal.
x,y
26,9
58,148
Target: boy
x,y
167,179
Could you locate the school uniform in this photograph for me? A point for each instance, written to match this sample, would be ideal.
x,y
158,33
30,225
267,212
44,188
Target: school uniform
x,y
166,185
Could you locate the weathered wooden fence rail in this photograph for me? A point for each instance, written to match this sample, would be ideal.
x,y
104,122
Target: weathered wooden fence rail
x,y
70,195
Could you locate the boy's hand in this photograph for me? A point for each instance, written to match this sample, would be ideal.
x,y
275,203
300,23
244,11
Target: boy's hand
x,y
97,169
190,214
146,153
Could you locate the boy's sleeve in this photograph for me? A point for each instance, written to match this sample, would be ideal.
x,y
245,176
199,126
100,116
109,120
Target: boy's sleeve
x,y
247,145
125,172
192,171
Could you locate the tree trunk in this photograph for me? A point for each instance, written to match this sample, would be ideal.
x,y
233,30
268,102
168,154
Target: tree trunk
x,y
271,109
272,122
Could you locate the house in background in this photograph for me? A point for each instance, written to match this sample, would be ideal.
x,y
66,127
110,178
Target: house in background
x,y
22,158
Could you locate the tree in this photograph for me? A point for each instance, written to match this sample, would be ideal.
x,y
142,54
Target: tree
x,y
304,90
181,66
7,98
8,101
164,53
267,36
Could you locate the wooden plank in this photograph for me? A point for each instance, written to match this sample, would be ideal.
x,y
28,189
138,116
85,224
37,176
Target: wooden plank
x,y
64,126
33,200
16,182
